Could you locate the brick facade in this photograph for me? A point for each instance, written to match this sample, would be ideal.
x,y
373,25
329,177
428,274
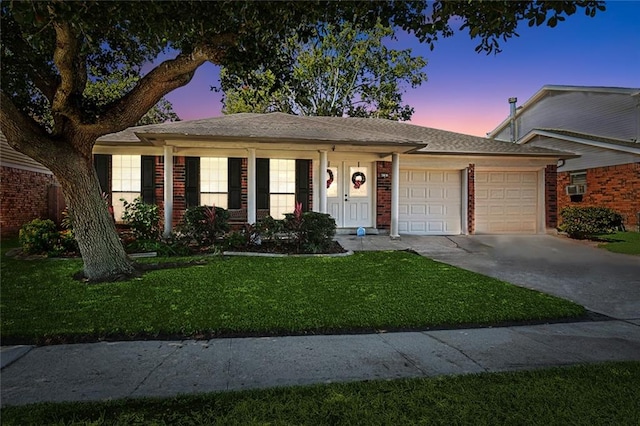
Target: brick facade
x,y
471,198
383,195
615,187
24,196
551,196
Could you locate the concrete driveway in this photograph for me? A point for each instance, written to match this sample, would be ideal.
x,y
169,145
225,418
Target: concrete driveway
x,y
603,282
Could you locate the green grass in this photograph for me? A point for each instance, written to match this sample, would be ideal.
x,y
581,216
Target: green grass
x,y
604,394
41,303
622,242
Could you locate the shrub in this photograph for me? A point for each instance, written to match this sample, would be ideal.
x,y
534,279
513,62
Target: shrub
x,y
583,222
205,223
143,218
38,236
66,243
310,231
319,228
270,228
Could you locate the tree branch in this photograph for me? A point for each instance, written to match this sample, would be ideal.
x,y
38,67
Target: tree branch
x,y
164,78
25,135
73,76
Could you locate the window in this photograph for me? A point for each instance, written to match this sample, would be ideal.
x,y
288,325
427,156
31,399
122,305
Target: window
x,y
578,178
282,187
126,172
214,182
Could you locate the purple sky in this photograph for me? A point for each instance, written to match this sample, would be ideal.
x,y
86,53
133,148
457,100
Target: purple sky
x,y
467,92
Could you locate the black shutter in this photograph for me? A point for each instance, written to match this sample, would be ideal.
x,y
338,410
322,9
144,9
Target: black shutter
x,y
102,164
302,183
148,179
262,183
234,176
192,181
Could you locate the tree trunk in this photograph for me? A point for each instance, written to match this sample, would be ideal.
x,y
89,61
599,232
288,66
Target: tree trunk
x,y
101,249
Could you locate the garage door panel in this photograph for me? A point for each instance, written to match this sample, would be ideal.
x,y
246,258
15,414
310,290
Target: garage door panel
x,y
430,202
506,202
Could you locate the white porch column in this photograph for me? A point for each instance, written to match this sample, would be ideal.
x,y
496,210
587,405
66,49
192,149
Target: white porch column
x,y
252,212
168,190
323,182
395,194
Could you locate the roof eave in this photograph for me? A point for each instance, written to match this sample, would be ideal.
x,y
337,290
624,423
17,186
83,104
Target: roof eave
x,y
536,132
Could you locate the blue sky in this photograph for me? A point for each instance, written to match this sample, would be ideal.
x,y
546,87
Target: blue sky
x,y
467,92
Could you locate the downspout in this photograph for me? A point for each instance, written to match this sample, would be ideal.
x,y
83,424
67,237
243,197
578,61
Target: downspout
x,y
512,117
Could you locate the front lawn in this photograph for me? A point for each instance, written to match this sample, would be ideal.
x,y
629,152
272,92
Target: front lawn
x,y
605,394
368,291
621,242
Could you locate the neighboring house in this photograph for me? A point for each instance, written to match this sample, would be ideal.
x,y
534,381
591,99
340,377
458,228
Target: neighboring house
x,y
599,124
28,190
378,174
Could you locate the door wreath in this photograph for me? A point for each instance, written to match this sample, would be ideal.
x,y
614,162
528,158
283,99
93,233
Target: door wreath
x,y
358,178
330,180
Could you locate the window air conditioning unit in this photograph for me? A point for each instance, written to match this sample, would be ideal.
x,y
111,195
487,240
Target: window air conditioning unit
x,y
576,189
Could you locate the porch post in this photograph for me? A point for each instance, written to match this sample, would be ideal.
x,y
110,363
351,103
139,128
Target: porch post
x,y
395,194
168,190
323,182
251,187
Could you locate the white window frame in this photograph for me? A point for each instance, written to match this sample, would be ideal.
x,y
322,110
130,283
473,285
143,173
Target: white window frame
x,y
126,181
282,187
214,181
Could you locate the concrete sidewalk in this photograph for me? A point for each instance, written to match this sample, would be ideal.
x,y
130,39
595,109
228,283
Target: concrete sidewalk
x,y
101,371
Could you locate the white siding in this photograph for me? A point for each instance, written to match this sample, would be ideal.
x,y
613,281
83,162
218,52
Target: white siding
x,y
612,115
590,156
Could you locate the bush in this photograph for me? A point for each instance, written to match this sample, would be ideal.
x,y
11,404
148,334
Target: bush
x,y
310,232
66,243
205,224
584,222
319,230
38,236
143,218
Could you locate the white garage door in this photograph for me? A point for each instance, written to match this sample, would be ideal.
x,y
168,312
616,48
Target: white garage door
x,y
429,202
506,202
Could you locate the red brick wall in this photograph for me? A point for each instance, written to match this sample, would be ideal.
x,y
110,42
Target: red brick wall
x,y
615,187
383,195
551,196
23,197
471,198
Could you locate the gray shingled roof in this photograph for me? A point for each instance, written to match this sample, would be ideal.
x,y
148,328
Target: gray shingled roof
x,y
340,130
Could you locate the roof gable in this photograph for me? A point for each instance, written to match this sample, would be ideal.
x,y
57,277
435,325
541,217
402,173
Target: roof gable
x,y
548,90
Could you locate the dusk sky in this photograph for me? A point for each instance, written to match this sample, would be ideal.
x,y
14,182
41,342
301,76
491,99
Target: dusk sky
x,y
467,92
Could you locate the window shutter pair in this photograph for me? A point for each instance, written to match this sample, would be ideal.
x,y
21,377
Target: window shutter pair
x,y
102,164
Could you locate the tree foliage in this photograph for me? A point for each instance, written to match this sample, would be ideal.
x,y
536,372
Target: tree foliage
x,y
342,70
50,49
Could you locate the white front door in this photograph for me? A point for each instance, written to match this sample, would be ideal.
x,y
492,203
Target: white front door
x,y
350,187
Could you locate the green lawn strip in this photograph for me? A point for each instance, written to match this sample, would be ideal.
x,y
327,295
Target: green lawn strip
x,y
621,242
602,394
369,290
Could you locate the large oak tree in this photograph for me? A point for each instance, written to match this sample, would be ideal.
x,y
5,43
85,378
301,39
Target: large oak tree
x,y
49,49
